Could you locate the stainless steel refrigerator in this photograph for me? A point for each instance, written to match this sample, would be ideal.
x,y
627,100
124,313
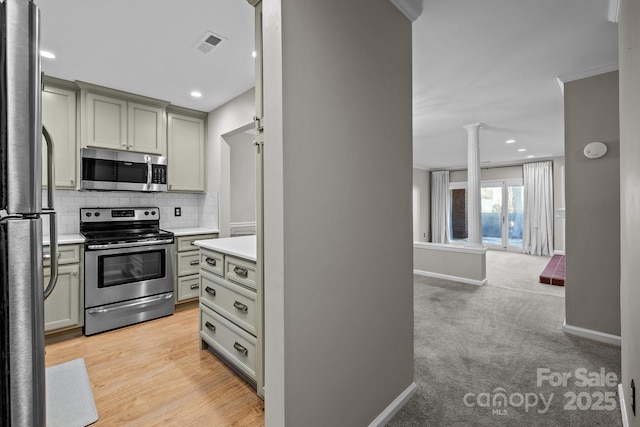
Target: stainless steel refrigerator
x,y
21,259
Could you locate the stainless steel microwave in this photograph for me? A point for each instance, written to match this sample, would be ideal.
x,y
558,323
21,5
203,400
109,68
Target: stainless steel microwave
x,y
111,170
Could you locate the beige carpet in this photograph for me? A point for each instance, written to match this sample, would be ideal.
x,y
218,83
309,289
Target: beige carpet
x,y
519,271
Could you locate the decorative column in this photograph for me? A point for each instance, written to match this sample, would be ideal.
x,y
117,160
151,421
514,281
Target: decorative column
x,y
474,214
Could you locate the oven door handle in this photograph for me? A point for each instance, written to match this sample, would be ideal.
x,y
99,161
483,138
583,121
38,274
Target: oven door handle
x,y
130,244
132,304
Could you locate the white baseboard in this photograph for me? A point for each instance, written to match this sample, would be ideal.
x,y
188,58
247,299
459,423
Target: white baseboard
x,y
623,407
591,334
395,406
453,278
558,253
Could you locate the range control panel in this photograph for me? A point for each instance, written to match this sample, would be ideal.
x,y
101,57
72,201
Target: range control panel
x,y
119,214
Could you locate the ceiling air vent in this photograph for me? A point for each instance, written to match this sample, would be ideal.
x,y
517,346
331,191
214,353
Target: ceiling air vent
x,y
208,42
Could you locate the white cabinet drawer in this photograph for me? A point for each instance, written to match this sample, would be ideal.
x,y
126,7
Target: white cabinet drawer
x,y
188,287
234,344
188,263
185,243
234,302
212,262
243,272
67,254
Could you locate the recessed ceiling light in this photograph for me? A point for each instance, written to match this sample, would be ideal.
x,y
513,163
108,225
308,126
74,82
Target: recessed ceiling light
x,y
46,54
522,149
196,94
531,156
254,53
510,141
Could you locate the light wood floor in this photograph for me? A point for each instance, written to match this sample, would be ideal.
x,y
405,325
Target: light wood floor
x,y
154,374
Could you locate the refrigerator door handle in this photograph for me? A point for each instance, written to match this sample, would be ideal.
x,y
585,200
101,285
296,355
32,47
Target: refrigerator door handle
x,y
53,221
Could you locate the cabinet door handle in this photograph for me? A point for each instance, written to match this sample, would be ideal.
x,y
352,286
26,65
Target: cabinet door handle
x,y
210,326
124,144
240,348
211,261
240,306
194,262
195,286
242,272
73,182
210,291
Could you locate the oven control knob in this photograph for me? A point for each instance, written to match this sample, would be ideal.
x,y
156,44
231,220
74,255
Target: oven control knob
x,y
153,212
97,214
88,214
146,212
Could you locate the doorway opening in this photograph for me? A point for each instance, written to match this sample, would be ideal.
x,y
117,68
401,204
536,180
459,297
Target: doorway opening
x,y
502,211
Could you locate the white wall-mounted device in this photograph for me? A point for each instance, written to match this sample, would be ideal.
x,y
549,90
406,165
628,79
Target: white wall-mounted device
x,y
595,150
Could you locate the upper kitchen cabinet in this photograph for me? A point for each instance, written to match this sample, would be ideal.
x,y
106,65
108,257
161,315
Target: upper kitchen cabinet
x,y
59,116
186,141
122,121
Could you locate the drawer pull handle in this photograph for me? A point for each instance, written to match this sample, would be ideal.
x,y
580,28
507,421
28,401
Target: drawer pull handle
x,y
240,348
210,291
242,272
211,261
210,326
192,243
195,286
240,306
194,262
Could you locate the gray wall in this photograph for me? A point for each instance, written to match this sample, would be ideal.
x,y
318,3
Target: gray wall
x,y
592,204
488,174
242,156
421,205
338,207
629,54
559,219
233,117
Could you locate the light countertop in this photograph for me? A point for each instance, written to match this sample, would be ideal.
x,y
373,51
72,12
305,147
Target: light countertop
x,y
65,239
191,231
242,247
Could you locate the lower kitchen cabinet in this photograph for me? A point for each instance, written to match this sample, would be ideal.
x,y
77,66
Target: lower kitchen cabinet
x,y
187,266
231,312
63,308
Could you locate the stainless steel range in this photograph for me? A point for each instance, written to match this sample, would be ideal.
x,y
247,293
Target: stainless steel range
x,y
128,274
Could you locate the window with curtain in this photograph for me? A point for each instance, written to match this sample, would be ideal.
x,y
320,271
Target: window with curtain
x,y
440,206
537,236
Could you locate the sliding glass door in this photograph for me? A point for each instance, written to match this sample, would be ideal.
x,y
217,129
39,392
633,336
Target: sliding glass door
x,y
501,209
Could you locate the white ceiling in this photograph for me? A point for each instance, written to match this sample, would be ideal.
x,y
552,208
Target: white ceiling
x,y
489,61
497,62
146,47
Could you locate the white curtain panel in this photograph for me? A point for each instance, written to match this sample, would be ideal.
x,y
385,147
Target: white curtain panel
x,y
440,206
537,226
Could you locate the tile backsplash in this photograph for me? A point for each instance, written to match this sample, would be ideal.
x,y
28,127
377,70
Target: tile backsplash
x,y
198,210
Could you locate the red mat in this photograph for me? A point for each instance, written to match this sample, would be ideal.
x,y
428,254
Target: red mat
x,y
553,273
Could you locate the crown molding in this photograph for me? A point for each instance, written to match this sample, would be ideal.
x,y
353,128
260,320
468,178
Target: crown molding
x,y
614,11
412,9
589,72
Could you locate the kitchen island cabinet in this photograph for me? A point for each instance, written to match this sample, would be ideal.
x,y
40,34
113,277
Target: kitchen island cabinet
x,y
231,305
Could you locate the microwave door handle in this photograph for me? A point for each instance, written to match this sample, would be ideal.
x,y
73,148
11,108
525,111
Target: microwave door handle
x,y
149,171
53,221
